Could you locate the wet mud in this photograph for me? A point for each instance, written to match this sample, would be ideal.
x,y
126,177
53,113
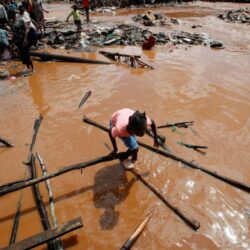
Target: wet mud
x,y
188,83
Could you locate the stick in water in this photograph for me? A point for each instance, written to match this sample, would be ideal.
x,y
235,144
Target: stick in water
x,y
177,124
6,143
129,243
36,128
16,222
85,98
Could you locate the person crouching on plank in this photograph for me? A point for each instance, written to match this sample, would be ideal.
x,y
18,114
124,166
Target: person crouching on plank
x,y
127,124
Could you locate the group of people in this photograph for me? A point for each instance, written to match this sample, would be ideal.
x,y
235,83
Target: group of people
x,y
19,28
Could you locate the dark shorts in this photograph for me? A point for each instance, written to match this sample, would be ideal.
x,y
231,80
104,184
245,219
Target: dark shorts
x,y
78,22
32,37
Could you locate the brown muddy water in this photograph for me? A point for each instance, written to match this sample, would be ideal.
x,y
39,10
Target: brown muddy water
x,y
210,87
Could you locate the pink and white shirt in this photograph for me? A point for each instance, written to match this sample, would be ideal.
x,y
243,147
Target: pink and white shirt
x,y
119,122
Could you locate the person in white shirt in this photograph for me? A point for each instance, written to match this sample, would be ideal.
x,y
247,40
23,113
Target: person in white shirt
x,y
3,15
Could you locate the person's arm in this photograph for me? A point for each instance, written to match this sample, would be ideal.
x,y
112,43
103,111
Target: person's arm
x,y
71,13
41,6
113,141
153,127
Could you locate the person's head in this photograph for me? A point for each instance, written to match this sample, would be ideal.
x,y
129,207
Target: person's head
x,y
21,9
74,8
137,124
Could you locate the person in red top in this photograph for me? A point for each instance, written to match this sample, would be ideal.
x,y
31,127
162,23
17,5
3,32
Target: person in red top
x,y
85,4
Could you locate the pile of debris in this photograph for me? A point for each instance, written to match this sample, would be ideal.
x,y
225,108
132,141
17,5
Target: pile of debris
x,y
240,16
126,35
150,19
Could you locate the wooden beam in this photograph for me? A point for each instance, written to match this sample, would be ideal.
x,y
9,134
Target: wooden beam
x,y
46,236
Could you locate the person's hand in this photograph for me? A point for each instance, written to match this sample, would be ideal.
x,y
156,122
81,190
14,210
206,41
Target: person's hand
x,y
156,143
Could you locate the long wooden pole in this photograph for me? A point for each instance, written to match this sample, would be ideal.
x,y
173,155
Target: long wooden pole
x,y
51,201
234,183
24,184
40,205
194,224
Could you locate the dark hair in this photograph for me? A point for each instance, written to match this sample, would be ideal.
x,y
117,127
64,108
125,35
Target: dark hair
x,y
137,123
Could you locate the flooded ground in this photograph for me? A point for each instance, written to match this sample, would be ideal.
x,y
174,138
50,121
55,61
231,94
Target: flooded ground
x,y
209,87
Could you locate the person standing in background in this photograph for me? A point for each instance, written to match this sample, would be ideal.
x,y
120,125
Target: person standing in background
x,y
85,4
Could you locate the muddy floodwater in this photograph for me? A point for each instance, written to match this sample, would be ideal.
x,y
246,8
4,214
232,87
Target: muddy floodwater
x,y
188,83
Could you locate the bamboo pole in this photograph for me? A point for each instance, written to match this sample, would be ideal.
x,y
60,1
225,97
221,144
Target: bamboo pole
x,y
6,143
132,239
40,205
237,184
51,200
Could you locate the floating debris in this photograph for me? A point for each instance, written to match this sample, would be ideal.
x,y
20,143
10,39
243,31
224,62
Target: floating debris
x,y
131,60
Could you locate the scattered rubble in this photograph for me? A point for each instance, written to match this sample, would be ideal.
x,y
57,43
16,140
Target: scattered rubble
x,y
240,16
176,21
99,36
216,44
150,19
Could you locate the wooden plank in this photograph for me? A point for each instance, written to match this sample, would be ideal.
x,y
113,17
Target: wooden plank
x,y
47,235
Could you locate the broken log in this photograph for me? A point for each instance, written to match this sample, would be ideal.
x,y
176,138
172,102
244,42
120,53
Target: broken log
x,y
237,184
194,224
130,242
40,205
16,222
177,124
6,143
46,236
85,98
53,57
51,200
